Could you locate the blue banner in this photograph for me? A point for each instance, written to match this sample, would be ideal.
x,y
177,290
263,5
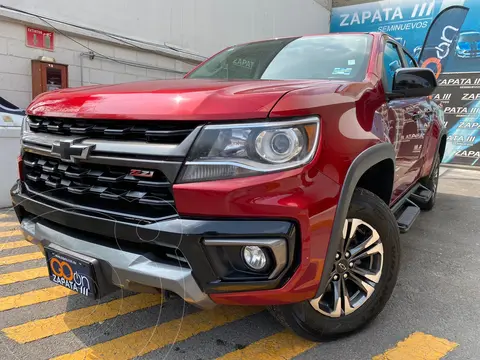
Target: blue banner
x,y
442,38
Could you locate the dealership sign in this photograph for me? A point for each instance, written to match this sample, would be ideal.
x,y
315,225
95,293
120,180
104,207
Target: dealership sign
x,y
443,35
390,14
407,21
40,39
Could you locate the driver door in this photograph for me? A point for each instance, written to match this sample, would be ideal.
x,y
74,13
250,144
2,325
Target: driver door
x,y
409,118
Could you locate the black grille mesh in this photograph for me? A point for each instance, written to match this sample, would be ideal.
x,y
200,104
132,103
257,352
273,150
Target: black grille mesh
x,y
142,192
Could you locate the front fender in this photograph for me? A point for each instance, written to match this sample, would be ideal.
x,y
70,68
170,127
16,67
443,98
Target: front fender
x,y
364,161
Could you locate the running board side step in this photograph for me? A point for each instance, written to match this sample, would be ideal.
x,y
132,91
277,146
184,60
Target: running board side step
x,y
407,209
406,215
421,196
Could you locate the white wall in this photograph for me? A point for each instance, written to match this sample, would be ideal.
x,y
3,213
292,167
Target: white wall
x,y
205,26
16,71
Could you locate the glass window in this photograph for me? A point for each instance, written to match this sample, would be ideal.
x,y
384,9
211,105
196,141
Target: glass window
x,y
313,57
391,62
470,36
54,79
410,60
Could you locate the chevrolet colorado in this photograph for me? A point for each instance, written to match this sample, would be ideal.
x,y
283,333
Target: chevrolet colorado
x,y
276,173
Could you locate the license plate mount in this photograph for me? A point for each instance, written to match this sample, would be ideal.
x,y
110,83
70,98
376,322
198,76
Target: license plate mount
x,y
73,271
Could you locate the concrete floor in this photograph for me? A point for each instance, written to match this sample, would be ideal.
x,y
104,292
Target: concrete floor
x,y
437,294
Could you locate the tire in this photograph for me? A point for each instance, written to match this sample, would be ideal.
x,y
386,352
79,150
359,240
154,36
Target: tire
x,y
312,324
431,183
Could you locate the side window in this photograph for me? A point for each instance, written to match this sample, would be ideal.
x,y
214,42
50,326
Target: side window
x,y
410,61
391,62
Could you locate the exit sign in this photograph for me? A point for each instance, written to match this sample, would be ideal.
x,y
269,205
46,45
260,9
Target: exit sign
x,y
40,39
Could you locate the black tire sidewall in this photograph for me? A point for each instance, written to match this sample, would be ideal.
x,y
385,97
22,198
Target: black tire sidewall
x,y
308,323
429,184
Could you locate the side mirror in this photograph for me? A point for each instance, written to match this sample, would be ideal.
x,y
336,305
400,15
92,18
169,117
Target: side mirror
x,y
414,82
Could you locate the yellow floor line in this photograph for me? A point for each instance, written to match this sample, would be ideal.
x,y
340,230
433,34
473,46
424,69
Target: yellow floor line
x,y
144,341
283,345
14,244
34,297
4,234
418,346
30,274
9,224
42,328
11,214
15,259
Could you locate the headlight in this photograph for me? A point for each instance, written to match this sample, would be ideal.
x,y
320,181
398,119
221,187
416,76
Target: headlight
x,y
238,150
24,129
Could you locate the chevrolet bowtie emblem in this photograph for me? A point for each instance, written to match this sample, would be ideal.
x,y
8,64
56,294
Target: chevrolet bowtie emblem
x,y
71,150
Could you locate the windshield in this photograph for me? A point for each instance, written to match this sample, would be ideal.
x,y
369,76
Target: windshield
x,y
469,37
318,57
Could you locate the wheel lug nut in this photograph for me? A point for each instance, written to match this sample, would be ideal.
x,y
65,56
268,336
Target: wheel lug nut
x,y
351,264
347,255
345,276
335,277
337,256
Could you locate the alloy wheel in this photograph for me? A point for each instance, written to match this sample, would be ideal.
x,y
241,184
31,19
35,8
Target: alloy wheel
x,y
356,271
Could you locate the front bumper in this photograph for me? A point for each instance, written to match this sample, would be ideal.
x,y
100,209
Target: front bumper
x,y
120,268
135,257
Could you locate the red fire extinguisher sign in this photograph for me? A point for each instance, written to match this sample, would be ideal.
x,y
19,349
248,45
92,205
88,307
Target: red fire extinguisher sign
x,y
40,39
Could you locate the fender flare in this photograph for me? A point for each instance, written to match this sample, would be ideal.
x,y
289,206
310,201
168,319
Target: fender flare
x,y
443,132
364,161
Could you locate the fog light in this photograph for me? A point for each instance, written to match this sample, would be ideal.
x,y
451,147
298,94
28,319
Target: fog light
x,y
255,257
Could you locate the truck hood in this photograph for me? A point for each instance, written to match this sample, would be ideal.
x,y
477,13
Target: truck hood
x,y
185,99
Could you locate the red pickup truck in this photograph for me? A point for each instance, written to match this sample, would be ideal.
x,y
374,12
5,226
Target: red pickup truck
x,y
276,173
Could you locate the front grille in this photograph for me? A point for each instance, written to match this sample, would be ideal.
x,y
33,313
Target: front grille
x,y
142,193
164,132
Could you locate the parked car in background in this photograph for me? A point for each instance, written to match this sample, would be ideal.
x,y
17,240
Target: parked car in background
x,y
10,113
11,119
468,45
278,173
